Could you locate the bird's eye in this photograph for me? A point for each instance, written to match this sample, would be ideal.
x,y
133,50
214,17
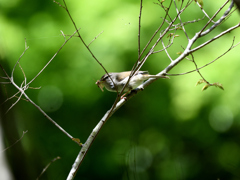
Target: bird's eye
x,y
104,77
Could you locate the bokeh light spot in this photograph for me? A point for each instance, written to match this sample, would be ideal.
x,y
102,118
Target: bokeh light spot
x,y
139,159
221,118
50,98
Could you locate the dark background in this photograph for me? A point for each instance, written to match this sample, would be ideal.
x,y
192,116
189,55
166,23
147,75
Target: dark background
x,y
171,130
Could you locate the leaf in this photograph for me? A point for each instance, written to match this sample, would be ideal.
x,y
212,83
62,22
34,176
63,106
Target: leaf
x,y
200,81
199,1
221,86
77,141
205,87
170,35
218,85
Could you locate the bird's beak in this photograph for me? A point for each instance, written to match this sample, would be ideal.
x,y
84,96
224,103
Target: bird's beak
x,y
100,85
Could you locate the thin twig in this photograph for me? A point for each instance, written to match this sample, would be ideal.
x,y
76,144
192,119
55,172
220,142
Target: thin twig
x,y
95,38
139,29
18,99
197,69
202,32
44,170
26,48
66,40
11,96
154,34
25,78
179,17
204,12
184,23
24,87
81,38
120,103
24,132
5,82
215,38
166,50
231,47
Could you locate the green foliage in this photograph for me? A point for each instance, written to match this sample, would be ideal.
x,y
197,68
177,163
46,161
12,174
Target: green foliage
x,y
179,132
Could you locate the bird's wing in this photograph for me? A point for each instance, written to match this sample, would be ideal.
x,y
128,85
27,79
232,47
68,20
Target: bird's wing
x,y
142,72
121,76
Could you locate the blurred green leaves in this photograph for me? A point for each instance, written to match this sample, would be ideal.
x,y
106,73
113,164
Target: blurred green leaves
x,y
168,131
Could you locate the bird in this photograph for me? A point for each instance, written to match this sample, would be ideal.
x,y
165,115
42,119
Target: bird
x,y
121,78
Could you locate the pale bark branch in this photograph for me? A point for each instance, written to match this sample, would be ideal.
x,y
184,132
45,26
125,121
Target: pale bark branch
x,y
188,50
24,86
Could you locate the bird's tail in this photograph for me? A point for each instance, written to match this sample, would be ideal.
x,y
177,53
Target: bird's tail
x,y
156,76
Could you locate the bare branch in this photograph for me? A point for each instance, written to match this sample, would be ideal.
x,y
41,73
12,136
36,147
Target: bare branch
x,y
25,78
26,48
5,82
44,170
79,35
66,40
24,132
135,68
178,26
182,26
18,99
11,96
215,38
231,47
154,35
219,21
165,48
154,39
63,35
197,69
25,86
95,38
139,29
50,119
204,12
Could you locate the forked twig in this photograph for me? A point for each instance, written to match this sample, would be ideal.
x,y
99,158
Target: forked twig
x,y
24,86
26,48
204,12
137,66
66,40
231,47
81,38
203,33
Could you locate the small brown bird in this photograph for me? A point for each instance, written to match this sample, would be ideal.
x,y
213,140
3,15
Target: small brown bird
x,y
121,78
